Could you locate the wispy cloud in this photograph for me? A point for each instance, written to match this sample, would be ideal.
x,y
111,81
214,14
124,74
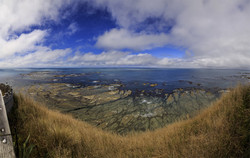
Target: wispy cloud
x,y
73,28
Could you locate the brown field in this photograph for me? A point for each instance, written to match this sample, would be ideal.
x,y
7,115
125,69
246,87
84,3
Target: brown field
x,y
222,130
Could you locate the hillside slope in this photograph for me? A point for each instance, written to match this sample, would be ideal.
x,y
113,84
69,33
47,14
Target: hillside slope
x,y
222,130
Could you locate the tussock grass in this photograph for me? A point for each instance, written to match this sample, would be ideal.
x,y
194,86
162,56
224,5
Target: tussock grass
x,y
222,130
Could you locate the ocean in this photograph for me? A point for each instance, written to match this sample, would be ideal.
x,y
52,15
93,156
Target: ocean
x,y
135,78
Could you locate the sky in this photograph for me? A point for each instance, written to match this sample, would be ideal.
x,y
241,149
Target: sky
x,y
125,33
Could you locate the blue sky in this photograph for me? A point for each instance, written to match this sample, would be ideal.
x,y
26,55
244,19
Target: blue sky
x,y
159,33
89,24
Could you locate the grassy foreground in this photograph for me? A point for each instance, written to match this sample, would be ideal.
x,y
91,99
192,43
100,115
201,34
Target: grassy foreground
x,y
222,130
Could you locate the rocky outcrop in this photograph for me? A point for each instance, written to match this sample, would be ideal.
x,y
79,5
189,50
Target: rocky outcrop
x,y
121,110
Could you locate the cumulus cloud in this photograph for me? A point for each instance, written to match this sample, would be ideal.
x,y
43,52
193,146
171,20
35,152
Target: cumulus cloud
x,y
119,58
91,59
217,32
42,57
20,45
113,58
20,15
123,39
129,13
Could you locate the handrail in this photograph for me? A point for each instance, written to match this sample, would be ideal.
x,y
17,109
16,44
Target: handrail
x,y
6,144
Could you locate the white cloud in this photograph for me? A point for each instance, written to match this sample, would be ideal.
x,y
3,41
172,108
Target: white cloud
x,y
45,57
42,57
22,44
72,28
97,59
19,44
112,58
217,32
20,15
121,38
130,12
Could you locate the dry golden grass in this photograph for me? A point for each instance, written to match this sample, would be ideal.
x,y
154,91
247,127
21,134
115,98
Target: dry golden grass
x,y
222,130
